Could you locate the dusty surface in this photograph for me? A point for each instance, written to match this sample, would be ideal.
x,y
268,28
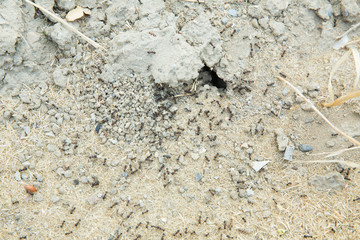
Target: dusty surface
x,y
136,142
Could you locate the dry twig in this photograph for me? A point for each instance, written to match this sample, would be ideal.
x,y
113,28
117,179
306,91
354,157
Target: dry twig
x,y
353,27
68,26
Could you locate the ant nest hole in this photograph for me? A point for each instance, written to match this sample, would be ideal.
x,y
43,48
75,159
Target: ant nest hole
x,y
209,76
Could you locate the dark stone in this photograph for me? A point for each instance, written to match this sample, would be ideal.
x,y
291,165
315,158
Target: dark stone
x,y
305,148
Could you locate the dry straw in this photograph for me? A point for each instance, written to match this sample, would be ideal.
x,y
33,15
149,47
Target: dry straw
x,y
319,113
352,50
67,25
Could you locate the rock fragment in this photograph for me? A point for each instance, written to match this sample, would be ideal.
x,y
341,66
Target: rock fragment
x,y
60,78
233,12
282,139
278,28
289,153
275,7
350,10
258,165
331,181
322,8
65,4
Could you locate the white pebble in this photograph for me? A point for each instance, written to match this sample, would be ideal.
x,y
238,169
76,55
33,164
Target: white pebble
x,y
55,199
17,176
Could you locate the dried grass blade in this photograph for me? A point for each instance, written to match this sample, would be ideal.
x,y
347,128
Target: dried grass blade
x,y
350,164
338,152
352,42
336,67
356,55
353,27
68,26
319,113
342,99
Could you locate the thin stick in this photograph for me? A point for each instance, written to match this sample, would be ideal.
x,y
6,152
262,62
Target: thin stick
x,y
68,26
353,27
350,164
319,113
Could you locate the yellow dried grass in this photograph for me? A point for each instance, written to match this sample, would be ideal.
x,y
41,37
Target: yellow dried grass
x,y
356,56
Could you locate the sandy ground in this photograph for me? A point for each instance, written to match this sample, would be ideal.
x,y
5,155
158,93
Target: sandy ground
x,y
142,141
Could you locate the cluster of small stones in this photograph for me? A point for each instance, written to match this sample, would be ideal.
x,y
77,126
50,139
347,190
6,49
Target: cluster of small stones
x,y
129,110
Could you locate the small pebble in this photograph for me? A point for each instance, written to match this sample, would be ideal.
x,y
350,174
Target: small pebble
x,y
113,191
305,148
60,171
61,190
285,91
55,198
234,195
307,107
309,120
198,177
224,20
17,176
330,143
233,12
83,179
255,23
38,197
115,163
195,156
249,192
26,164
266,214
76,182
98,127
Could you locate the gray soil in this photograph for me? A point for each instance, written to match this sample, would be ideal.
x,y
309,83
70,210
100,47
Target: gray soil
x,y
179,128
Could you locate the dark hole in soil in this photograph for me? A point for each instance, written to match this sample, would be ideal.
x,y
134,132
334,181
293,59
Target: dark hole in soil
x,y
215,80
